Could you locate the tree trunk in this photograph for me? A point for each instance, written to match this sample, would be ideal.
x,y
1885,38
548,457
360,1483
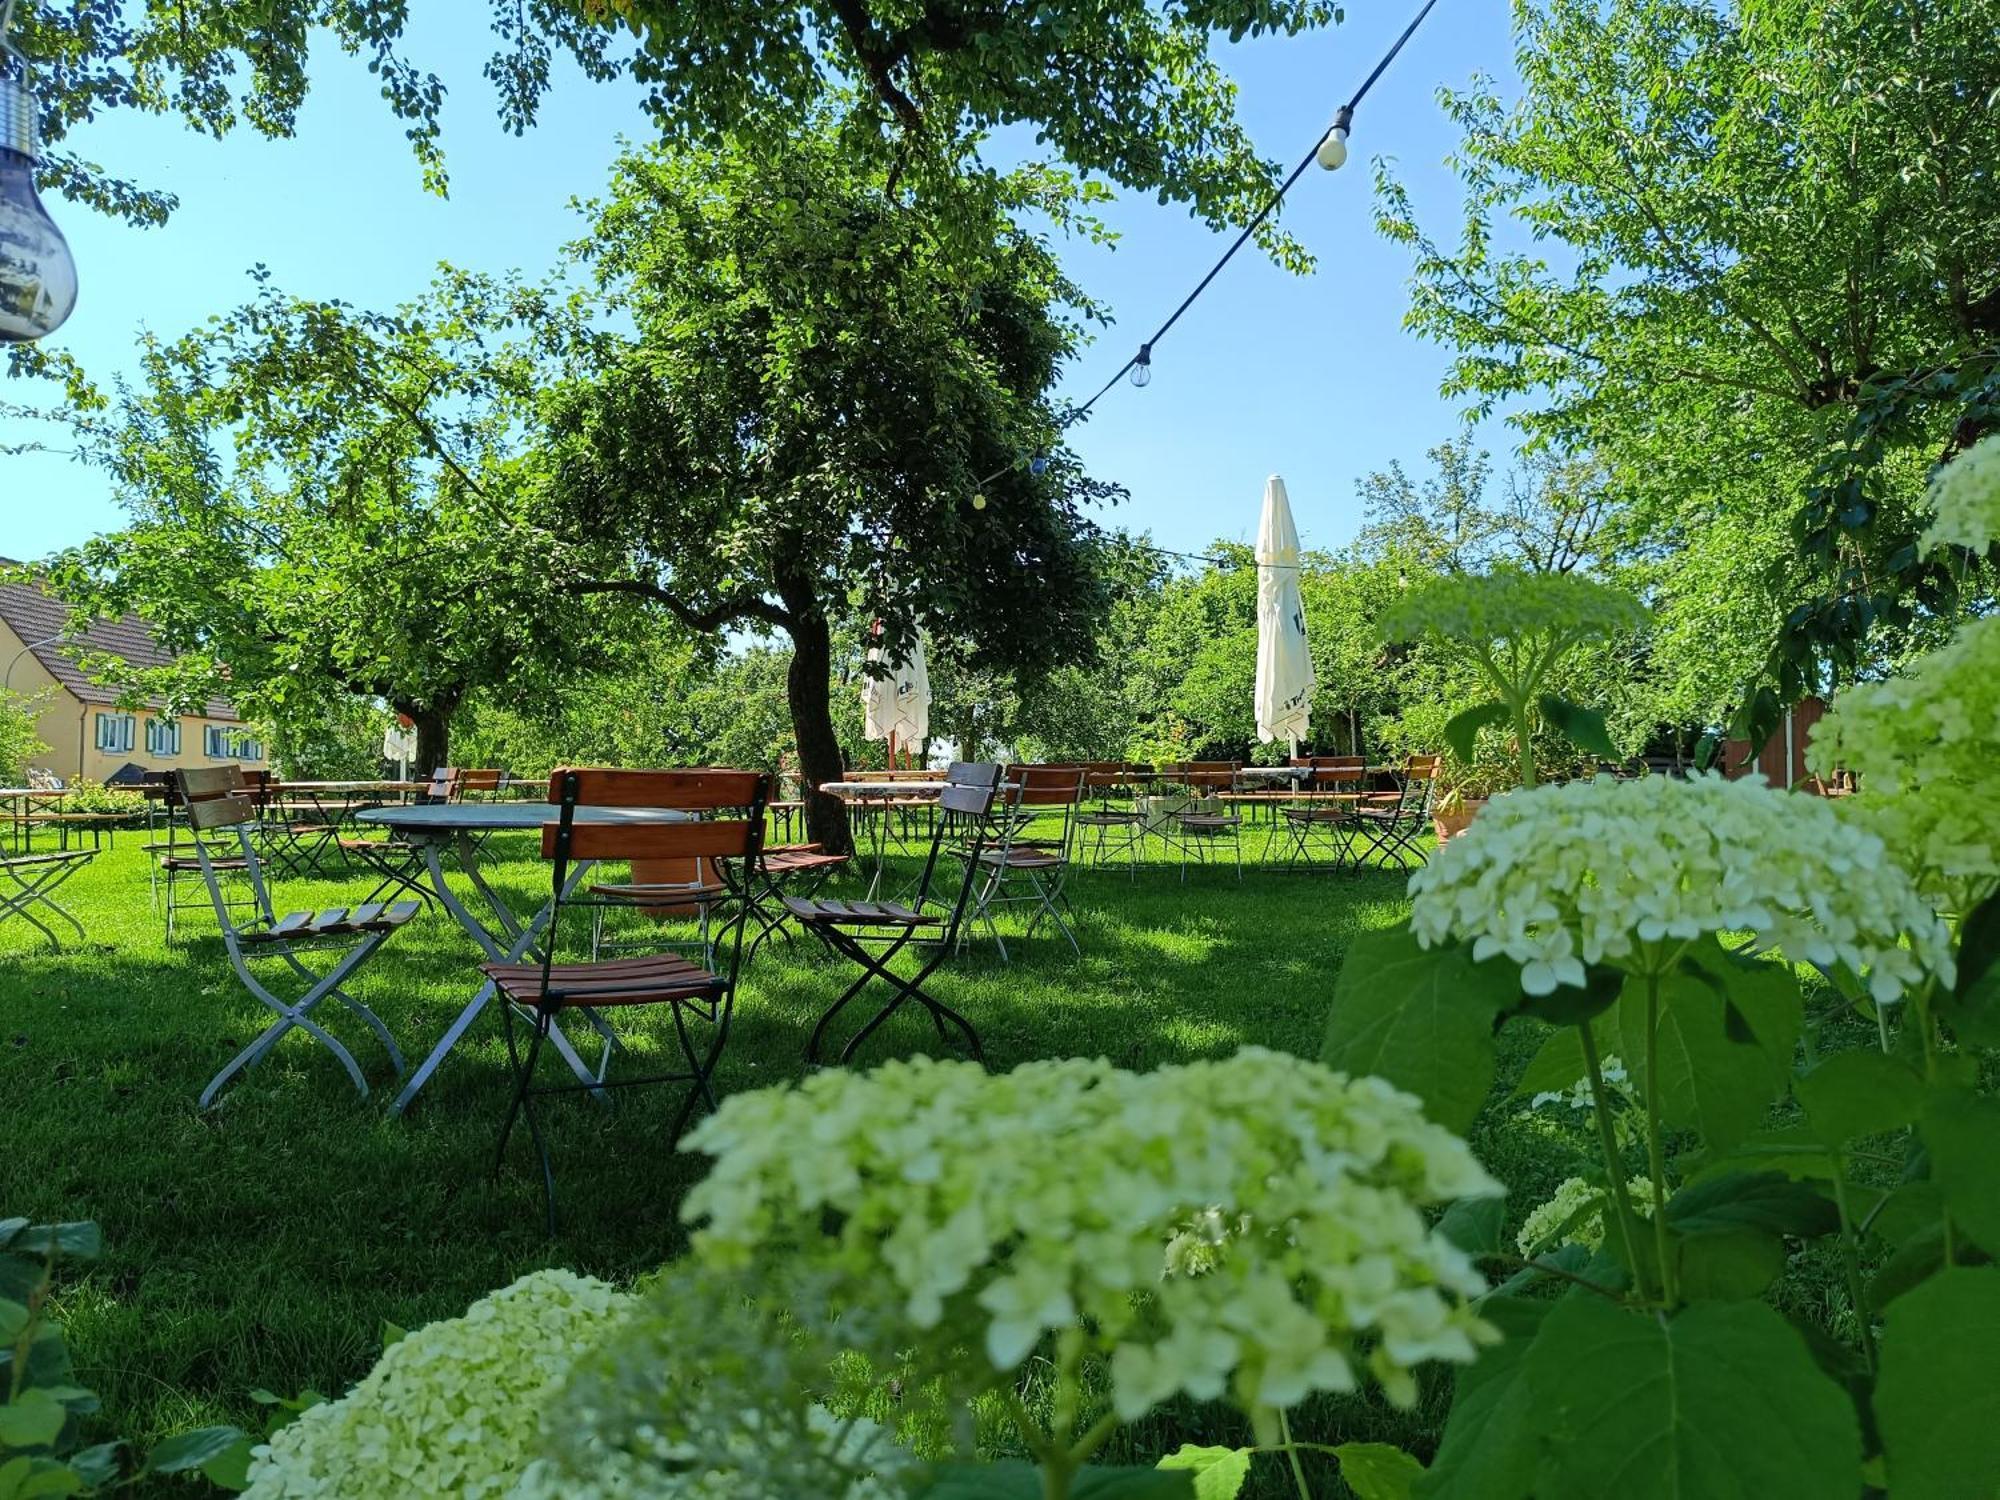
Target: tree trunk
x,y
809,687
433,722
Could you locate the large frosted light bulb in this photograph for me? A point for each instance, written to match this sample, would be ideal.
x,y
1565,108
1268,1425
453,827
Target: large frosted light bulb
x,y
37,276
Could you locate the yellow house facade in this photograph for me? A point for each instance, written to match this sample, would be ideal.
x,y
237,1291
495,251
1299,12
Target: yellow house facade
x,y
87,732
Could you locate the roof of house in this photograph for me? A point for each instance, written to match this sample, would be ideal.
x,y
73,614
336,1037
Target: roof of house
x,y
41,621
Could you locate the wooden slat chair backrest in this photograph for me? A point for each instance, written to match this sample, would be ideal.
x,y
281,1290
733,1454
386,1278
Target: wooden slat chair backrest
x,y
217,797
1334,770
1044,786
690,791
1207,776
486,782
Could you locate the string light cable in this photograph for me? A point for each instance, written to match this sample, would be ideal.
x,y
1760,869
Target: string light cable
x,y
1329,150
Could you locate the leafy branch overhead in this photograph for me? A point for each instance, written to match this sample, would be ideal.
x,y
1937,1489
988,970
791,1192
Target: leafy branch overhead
x,y
1127,92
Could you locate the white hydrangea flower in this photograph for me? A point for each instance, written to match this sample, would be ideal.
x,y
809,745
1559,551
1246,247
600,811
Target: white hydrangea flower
x,y
1605,871
451,1409
1548,1227
989,1211
1965,496
1922,744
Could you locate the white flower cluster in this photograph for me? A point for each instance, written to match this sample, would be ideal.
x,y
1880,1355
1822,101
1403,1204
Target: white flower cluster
x,y
1575,1215
450,1409
1560,877
1922,744
1965,496
704,1392
993,1210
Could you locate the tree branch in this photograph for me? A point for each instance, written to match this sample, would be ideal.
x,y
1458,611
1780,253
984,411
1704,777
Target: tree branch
x,y
737,606
878,56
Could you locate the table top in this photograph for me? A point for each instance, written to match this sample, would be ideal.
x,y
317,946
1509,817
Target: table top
x,y
883,788
352,786
500,817
1287,773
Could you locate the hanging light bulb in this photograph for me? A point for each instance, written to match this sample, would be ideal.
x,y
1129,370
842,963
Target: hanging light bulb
x,y
979,501
1332,151
1039,464
1142,367
37,276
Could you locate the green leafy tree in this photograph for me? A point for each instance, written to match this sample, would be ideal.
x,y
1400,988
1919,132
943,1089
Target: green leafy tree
x,y
324,503
1127,91
1764,279
828,412
19,742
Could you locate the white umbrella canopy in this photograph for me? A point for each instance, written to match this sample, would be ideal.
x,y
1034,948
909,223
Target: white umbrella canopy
x,y
1285,679
898,706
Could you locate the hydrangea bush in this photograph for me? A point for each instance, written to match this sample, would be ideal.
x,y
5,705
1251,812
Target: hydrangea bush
x,y
1629,872
1516,628
1248,1228
454,1408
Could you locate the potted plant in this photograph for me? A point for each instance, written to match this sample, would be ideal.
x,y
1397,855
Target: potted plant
x,y
1466,790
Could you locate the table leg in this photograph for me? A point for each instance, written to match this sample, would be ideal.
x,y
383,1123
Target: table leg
x,y
520,946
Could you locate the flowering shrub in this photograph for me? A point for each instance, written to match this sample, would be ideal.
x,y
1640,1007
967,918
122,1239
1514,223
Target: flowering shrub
x,y
707,1390
1573,1215
1966,498
451,1409
942,1182
1511,605
1563,877
1516,627
1922,744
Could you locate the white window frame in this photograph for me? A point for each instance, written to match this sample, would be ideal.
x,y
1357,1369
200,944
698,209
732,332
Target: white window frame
x,y
163,738
114,732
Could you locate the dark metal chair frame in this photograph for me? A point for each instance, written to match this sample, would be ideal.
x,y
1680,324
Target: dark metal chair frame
x,y
541,992
1392,830
1325,810
965,809
36,878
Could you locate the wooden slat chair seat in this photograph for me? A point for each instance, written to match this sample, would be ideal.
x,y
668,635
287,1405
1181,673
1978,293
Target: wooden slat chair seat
x,y
858,913
722,829
847,927
340,921
222,800
28,883
789,871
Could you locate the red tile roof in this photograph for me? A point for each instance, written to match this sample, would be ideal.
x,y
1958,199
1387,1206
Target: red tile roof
x,y
35,617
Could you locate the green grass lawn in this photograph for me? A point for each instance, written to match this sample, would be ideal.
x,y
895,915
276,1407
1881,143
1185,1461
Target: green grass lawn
x,y
265,1242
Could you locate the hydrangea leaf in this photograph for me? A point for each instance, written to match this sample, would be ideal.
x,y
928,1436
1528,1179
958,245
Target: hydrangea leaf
x,y
1852,1095
1723,1402
1582,727
1963,1134
1420,1017
193,1450
1708,1081
1558,1065
1489,1446
1474,1224
1461,734
1937,1399
1767,1201
1378,1471
1218,1473
1729,1267
31,1420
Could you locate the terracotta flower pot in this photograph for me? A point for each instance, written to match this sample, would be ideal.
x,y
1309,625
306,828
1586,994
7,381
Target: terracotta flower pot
x,y
1450,825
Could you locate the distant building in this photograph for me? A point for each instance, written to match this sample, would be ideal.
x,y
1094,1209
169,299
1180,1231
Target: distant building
x,y
81,722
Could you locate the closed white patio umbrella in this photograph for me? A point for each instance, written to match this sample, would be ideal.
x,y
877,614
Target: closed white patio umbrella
x,y
897,708
1285,678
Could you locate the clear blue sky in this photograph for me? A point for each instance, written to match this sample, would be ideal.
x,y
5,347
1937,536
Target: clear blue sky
x,y
1310,377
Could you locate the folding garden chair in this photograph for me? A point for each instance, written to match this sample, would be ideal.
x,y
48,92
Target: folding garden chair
x,y
176,860
217,802
1391,827
397,860
1019,869
797,870
1322,816
1109,828
1206,823
543,991
847,927
29,890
